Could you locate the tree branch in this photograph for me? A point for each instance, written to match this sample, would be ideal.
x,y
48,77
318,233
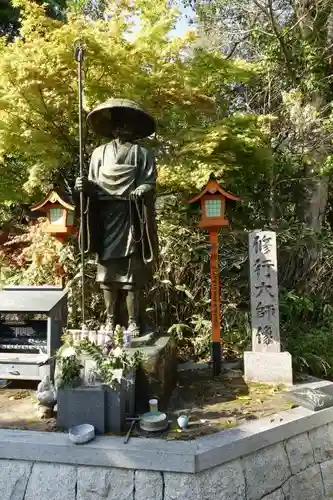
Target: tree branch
x,y
285,51
232,51
50,120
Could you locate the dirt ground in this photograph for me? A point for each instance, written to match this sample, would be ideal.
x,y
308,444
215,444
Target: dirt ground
x,y
215,404
212,404
18,407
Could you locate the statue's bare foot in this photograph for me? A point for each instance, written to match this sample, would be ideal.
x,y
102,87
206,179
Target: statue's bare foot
x,y
133,329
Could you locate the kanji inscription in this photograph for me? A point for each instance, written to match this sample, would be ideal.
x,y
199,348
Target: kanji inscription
x,y
264,292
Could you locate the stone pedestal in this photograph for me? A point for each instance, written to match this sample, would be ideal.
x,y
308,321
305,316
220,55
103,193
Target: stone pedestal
x,y
81,405
268,367
103,407
45,412
157,377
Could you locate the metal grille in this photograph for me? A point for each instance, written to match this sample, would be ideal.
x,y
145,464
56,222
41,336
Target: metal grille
x,y
23,337
213,208
56,215
23,329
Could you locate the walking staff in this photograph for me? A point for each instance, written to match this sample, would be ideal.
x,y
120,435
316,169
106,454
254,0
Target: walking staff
x,y
78,54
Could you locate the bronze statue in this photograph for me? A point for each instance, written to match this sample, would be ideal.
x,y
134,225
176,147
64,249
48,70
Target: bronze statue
x,y
120,190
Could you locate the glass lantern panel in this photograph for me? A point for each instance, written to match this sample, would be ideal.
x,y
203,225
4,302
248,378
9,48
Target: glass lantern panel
x,y
56,216
213,208
70,218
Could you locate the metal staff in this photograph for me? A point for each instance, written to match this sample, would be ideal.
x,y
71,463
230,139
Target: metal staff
x,y
78,54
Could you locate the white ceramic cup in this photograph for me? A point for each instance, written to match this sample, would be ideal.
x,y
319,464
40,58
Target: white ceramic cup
x,y
153,403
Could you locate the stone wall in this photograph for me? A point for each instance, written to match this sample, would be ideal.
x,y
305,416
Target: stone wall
x,y
287,457
299,468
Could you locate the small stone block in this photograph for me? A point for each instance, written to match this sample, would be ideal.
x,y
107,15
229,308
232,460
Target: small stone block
x,y
312,399
81,405
307,485
113,409
157,376
268,367
50,481
119,404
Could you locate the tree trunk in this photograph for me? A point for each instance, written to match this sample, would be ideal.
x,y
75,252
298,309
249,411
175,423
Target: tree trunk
x,y
317,198
317,186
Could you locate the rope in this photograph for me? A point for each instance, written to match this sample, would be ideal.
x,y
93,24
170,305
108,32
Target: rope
x,y
143,218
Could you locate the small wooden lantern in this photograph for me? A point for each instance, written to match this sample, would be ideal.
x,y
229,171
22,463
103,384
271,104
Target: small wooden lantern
x,y
213,202
60,215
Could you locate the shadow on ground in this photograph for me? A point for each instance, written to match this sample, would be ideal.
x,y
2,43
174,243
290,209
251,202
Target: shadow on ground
x,y
217,403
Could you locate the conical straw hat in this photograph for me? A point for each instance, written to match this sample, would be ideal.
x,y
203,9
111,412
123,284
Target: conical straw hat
x,y
104,117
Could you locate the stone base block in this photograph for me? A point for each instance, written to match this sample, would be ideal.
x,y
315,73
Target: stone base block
x,y
144,340
81,405
313,399
101,406
157,377
268,367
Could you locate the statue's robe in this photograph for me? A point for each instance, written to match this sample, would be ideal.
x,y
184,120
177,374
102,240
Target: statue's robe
x,y
125,258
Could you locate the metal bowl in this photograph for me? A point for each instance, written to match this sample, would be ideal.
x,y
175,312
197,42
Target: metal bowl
x,y
154,422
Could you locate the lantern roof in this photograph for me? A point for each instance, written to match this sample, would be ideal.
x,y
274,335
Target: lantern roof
x,y
54,197
213,187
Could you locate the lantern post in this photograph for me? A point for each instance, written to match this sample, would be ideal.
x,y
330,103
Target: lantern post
x,y
213,202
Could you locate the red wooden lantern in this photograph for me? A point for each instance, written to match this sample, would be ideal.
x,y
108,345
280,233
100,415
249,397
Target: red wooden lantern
x,y
60,215
213,203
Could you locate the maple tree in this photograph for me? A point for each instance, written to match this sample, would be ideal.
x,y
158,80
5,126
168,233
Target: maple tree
x,y
128,53
9,15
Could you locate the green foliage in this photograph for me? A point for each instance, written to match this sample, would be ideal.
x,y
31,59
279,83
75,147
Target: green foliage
x,y
112,360
305,263
37,254
307,324
291,43
172,79
8,19
70,370
10,15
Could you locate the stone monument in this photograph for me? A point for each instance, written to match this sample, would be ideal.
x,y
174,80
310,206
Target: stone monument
x,y
265,363
121,226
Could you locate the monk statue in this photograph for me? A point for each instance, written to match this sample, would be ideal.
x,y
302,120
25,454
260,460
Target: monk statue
x,y
120,215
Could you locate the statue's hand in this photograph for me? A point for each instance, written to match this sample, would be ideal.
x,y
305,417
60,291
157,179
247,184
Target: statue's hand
x,y
138,192
82,184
